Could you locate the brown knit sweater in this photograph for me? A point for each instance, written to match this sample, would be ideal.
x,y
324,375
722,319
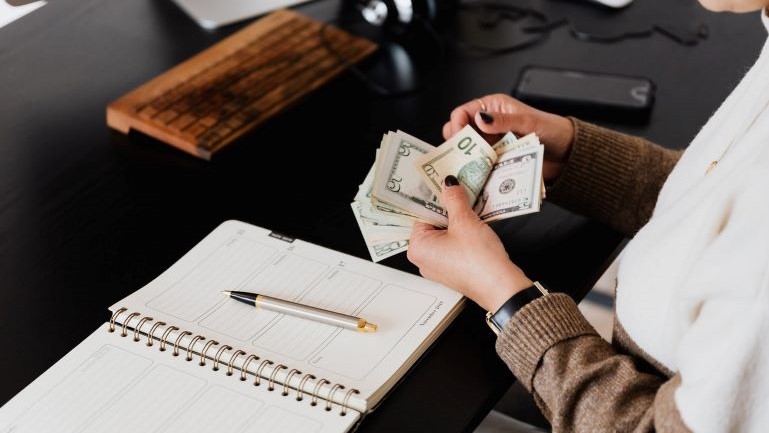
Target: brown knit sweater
x,y
579,381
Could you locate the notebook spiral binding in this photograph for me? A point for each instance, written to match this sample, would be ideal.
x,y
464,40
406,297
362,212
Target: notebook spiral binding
x,y
259,373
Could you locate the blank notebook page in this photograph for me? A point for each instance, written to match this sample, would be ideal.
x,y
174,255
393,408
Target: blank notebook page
x,y
113,384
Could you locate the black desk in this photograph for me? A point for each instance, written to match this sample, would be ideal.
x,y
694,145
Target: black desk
x,y
87,216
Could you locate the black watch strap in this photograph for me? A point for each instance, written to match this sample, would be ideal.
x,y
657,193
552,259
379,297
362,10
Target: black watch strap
x,y
499,319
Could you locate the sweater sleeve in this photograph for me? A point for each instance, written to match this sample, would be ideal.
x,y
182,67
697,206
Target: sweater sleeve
x,y
578,380
612,177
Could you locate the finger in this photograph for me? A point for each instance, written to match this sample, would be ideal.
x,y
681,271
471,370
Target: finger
x,y
421,242
460,117
447,131
456,202
499,122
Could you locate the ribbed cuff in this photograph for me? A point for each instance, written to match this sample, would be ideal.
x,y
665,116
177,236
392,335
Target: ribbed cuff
x,y
599,171
536,328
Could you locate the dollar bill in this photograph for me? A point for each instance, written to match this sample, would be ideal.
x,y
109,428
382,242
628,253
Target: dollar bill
x,y
379,250
397,183
513,188
505,143
380,214
466,155
364,190
509,143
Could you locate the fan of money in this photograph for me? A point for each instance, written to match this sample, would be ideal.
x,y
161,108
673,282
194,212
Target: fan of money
x,y
405,184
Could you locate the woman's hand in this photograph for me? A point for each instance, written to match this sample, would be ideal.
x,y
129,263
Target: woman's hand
x,y
494,115
468,256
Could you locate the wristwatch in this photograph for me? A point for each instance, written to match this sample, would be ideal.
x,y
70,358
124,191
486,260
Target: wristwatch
x,y
499,319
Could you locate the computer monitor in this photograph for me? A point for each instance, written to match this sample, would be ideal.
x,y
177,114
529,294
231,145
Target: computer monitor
x,y
212,14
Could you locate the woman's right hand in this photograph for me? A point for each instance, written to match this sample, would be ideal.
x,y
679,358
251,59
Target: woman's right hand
x,y
494,115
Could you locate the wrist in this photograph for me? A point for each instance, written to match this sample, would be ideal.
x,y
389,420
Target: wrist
x,y
499,319
558,148
504,292
562,139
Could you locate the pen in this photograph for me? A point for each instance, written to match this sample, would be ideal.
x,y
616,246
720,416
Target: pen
x,y
304,311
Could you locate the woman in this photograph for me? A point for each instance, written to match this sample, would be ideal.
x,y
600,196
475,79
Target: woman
x,y
690,350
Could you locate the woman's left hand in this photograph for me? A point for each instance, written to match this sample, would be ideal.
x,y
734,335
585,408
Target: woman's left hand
x,y
467,256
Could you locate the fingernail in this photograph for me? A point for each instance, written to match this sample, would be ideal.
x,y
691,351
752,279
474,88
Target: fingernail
x,y
451,181
486,117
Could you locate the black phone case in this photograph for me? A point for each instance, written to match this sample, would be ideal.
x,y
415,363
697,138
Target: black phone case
x,y
636,108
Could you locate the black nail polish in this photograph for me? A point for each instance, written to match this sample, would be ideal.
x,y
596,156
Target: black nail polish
x,y
486,117
451,180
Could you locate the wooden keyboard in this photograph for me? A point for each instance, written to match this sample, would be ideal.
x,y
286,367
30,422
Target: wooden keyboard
x,y
211,99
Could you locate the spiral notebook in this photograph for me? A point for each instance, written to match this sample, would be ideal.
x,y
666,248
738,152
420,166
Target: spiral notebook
x,y
176,356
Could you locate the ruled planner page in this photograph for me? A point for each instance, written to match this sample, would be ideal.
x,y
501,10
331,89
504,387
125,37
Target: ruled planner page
x,y
409,310
110,383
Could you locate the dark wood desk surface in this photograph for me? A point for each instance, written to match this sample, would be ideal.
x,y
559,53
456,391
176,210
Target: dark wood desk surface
x,y
87,215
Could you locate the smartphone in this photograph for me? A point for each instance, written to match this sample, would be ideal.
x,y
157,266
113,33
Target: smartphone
x,y
586,94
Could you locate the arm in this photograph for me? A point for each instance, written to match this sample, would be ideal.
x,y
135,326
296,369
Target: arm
x,y
582,384
612,177
578,380
603,174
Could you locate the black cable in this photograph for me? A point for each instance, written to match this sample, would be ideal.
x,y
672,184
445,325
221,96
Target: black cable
x,y
590,37
493,14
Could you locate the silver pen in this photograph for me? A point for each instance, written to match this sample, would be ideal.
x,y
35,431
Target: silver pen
x,y
300,310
